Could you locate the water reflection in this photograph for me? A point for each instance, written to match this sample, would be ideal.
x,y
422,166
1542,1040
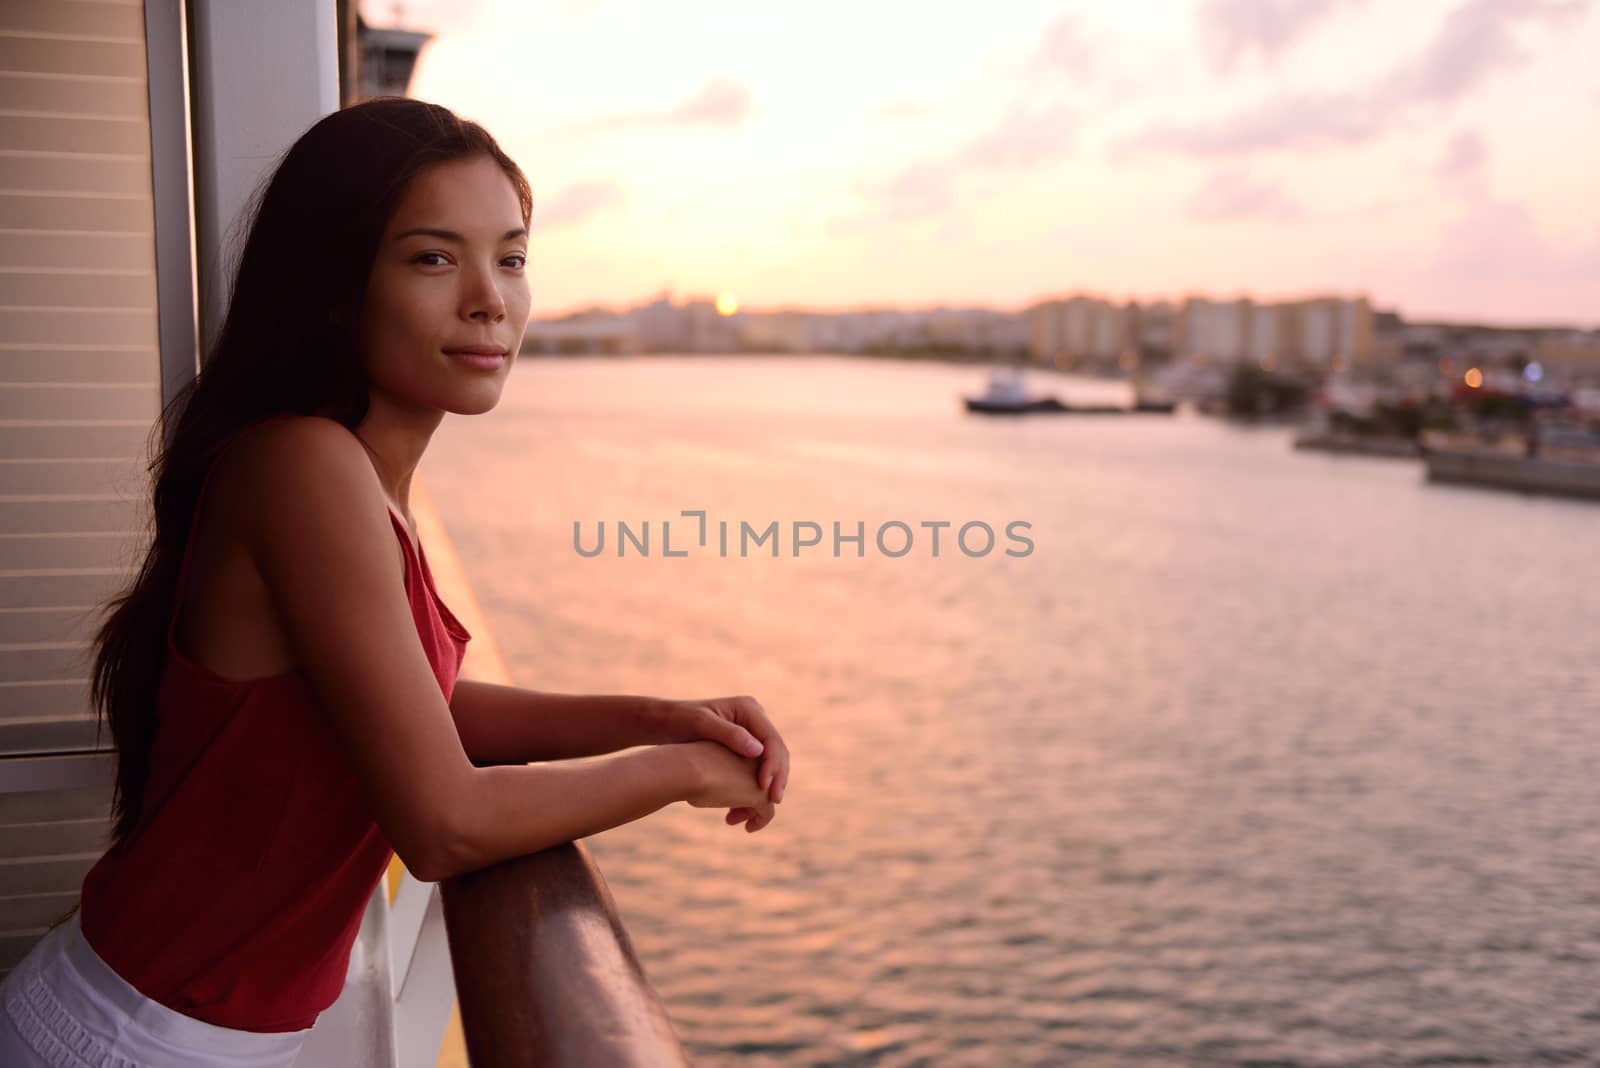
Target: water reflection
x,y
1260,757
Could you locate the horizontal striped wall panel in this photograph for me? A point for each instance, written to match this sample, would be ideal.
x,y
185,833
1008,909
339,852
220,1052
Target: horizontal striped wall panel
x,y
44,874
78,803
75,289
113,364
125,476
44,699
67,515
79,18
39,910
71,734
73,836
49,588
67,133
73,439
64,174
49,624
49,94
44,55
45,661
80,404
31,211
49,839
91,252
113,402
78,326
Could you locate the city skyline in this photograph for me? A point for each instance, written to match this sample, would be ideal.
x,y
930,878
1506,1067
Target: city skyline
x,y
1173,301
869,157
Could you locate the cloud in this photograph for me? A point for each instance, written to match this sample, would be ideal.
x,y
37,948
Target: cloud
x,y
904,107
1067,58
577,203
1025,138
922,188
1294,121
1474,42
1461,166
1499,242
1234,196
1496,242
1064,47
1232,28
718,103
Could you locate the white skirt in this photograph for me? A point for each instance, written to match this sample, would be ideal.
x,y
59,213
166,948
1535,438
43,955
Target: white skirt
x,y
64,1007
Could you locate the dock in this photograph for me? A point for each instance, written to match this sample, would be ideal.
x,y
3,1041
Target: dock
x,y
1388,446
1509,471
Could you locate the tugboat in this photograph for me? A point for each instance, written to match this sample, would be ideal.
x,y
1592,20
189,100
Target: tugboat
x,y
1006,394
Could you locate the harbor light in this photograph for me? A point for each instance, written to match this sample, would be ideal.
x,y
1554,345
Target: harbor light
x,y
1473,378
727,304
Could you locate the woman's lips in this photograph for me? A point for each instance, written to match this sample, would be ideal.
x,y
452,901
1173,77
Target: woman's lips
x,y
482,358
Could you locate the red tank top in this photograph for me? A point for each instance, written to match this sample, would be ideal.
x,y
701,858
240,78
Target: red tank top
x,y
237,897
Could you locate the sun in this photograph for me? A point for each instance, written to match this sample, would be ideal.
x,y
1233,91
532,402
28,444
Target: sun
x,y
727,304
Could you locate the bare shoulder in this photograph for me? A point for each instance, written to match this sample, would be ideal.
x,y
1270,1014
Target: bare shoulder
x,y
304,451
300,483
302,463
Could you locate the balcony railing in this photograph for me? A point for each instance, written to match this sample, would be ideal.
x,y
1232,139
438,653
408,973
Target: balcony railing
x,y
544,971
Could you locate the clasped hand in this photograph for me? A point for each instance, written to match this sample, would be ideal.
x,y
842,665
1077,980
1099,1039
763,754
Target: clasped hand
x,y
742,727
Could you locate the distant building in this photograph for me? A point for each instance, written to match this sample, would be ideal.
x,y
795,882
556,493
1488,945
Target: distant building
x,y
863,330
1044,332
1570,355
1268,332
694,326
1318,335
1154,330
1469,344
1321,333
1215,331
709,329
601,333
975,330
1080,331
783,331
1334,333
661,325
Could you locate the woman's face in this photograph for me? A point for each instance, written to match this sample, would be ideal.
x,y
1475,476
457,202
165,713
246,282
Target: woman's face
x,y
447,300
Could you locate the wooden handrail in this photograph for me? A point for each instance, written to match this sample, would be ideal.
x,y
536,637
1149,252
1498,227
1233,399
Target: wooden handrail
x,y
545,974
544,971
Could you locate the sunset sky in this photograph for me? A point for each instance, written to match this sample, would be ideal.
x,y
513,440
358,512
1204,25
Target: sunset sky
x,y
1440,156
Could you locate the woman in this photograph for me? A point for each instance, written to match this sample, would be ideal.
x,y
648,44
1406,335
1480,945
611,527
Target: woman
x,y
280,679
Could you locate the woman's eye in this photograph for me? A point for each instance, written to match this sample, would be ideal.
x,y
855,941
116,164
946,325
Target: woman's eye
x,y
430,259
517,260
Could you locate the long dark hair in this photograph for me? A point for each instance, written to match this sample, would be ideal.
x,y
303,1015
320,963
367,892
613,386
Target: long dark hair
x,y
289,344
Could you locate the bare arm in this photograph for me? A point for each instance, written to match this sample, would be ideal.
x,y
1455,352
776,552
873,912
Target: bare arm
x,y
318,530
517,809
508,725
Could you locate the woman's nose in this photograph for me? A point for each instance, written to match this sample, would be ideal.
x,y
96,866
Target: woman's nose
x,y
483,300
